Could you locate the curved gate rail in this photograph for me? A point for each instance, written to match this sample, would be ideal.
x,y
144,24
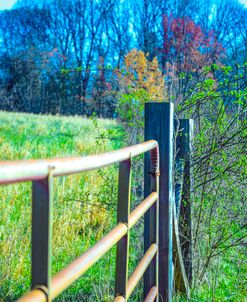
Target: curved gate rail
x,y
166,209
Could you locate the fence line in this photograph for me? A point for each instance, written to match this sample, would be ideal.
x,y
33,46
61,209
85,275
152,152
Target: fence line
x,y
163,262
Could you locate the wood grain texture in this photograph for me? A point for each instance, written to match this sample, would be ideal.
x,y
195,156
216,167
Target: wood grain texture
x,y
159,126
184,152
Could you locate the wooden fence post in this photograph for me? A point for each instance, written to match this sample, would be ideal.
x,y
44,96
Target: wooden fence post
x,y
184,151
159,126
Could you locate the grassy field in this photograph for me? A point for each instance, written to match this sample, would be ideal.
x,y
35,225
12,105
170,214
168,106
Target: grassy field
x,y
83,208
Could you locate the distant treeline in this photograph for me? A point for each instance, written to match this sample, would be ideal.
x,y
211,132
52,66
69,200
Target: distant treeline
x,y
60,56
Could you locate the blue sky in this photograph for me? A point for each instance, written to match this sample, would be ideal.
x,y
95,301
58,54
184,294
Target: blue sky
x,y
6,4
243,2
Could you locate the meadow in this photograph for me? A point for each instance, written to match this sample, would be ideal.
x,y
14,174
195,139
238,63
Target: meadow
x,y
83,208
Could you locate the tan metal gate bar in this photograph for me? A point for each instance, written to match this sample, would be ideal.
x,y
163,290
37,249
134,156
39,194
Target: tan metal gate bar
x,y
41,173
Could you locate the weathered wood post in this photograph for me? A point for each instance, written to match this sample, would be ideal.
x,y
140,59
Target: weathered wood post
x,y
184,151
159,126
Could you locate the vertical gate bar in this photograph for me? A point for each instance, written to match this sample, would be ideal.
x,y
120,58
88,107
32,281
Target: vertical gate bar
x,y
42,234
184,152
151,224
157,174
123,212
159,126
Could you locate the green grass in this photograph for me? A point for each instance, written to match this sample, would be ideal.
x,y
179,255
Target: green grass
x,y
84,210
226,278
81,202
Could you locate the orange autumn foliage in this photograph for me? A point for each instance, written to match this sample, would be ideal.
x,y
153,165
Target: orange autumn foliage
x,y
145,74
